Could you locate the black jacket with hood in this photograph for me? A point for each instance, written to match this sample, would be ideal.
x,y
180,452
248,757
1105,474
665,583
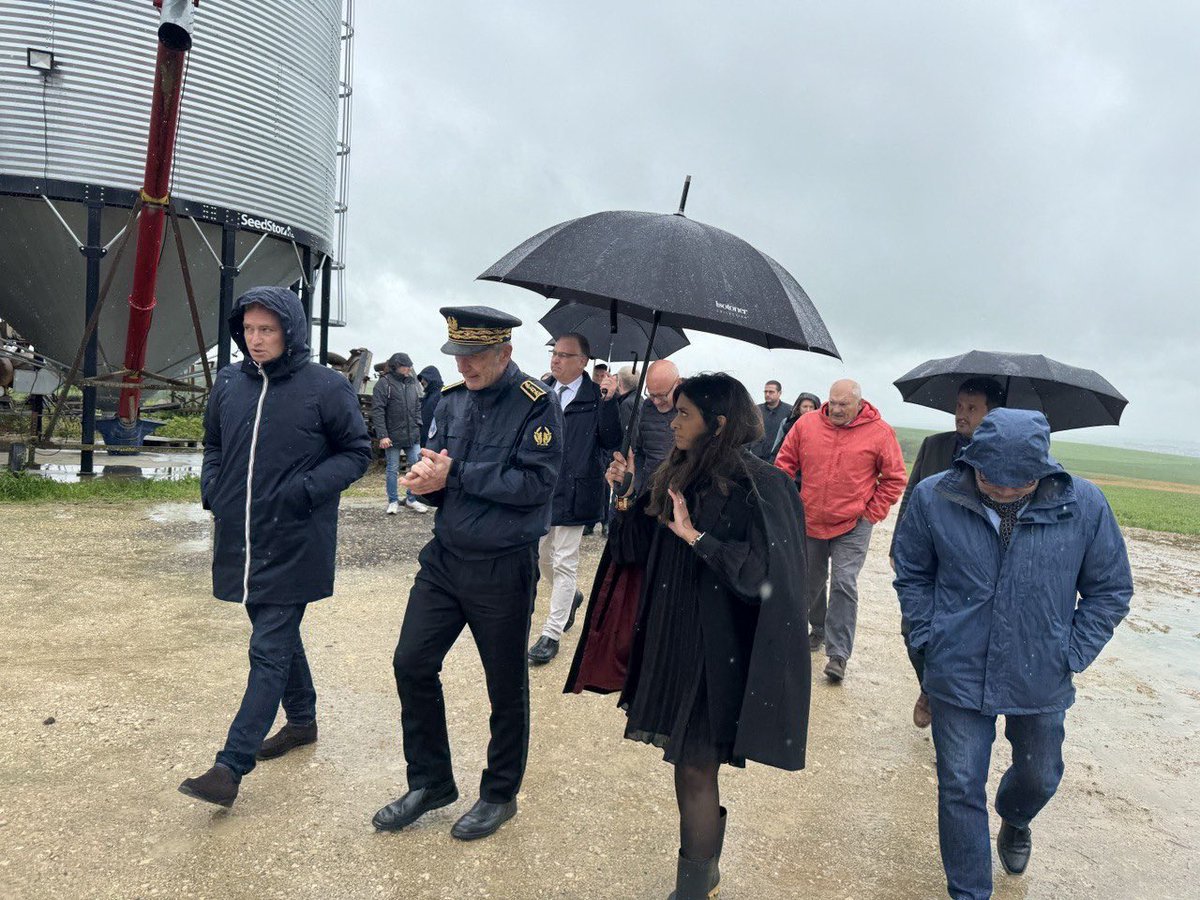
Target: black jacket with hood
x,y
281,443
433,383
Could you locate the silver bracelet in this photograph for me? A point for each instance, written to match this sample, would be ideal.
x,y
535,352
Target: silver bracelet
x,y
696,539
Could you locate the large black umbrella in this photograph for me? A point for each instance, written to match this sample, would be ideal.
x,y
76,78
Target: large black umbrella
x,y
1070,397
669,268
613,336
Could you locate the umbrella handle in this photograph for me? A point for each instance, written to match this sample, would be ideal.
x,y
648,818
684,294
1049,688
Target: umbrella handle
x,y
636,419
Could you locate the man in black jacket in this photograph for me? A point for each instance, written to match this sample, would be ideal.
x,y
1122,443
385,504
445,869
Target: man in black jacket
x,y
396,420
773,412
283,437
495,448
976,397
591,432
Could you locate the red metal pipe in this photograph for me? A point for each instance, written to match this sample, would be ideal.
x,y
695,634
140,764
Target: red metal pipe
x,y
160,150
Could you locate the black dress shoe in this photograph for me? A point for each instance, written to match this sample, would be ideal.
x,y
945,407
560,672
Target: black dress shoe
x,y
575,604
589,530
413,805
543,651
483,819
217,785
1013,846
815,639
289,737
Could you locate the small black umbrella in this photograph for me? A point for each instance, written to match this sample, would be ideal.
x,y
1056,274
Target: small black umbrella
x,y
613,336
668,270
1070,397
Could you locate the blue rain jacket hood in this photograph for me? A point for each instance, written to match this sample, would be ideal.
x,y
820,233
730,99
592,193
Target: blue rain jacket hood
x,y
281,443
1011,447
1004,630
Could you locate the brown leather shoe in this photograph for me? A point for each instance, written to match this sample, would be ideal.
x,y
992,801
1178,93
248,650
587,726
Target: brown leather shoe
x,y
835,669
217,785
922,715
289,737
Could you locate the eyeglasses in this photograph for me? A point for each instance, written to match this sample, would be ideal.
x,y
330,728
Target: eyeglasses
x,y
664,396
557,354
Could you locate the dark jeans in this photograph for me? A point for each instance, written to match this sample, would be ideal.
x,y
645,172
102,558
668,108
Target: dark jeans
x,y
916,657
278,673
963,738
494,598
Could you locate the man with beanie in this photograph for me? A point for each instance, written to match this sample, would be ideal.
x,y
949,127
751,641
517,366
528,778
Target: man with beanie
x,y
396,422
1013,575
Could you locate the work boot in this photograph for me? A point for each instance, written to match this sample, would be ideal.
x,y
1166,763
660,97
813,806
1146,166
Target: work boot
x,y
922,715
218,785
289,737
543,651
575,604
835,669
403,812
483,819
815,639
1013,846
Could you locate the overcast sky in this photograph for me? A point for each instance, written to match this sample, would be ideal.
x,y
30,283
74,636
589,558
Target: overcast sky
x,y
938,176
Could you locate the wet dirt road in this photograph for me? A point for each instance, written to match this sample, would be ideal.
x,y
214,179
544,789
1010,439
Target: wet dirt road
x,y
108,628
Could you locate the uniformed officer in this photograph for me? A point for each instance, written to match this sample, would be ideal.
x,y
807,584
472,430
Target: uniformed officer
x,y
490,468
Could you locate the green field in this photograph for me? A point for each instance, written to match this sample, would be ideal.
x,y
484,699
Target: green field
x,y
1157,491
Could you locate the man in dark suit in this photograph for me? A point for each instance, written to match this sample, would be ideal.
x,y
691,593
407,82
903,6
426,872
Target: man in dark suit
x,y
976,397
591,432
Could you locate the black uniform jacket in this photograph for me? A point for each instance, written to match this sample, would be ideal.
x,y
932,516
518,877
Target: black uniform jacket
x,y
506,443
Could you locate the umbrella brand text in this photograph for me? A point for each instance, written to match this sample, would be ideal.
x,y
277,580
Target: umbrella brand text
x,y
729,307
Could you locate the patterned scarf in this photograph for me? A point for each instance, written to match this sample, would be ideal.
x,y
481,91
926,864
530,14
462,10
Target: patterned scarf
x,y
1007,512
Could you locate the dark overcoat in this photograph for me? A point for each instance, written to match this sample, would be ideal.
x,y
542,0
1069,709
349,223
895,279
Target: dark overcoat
x,y
281,443
592,429
755,531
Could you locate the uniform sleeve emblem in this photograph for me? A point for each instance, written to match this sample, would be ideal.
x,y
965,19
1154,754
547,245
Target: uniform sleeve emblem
x,y
542,436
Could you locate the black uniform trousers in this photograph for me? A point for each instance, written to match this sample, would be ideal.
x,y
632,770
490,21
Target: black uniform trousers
x,y
494,598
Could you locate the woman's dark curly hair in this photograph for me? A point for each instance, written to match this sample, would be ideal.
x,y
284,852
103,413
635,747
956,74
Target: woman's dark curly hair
x,y
716,459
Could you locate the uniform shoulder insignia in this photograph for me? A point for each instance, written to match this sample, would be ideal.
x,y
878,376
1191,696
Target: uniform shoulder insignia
x,y
453,387
532,389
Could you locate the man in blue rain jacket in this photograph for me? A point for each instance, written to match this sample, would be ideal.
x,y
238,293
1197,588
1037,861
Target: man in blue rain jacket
x,y
1013,575
283,437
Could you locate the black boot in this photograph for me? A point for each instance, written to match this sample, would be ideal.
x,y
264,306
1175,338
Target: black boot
x,y
218,785
289,737
695,880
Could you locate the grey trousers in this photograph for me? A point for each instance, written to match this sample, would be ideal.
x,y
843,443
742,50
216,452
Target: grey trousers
x,y
844,555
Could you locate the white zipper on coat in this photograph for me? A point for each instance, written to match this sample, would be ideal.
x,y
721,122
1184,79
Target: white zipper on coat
x,y
262,396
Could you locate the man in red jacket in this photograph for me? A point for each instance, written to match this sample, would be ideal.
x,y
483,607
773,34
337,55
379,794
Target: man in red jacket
x,y
852,472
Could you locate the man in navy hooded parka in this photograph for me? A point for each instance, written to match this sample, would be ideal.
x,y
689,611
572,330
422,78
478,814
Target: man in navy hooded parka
x,y
283,437
1013,574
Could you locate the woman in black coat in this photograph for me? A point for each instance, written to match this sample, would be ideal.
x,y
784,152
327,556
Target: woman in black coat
x,y
718,671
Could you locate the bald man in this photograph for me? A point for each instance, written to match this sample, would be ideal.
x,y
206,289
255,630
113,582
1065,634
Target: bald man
x,y
852,473
655,439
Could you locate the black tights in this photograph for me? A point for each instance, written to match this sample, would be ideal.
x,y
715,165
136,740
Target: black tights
x,y
699,801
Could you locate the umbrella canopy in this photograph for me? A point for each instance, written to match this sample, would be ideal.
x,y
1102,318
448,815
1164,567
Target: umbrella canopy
x,y
1070,397
688,274
628,342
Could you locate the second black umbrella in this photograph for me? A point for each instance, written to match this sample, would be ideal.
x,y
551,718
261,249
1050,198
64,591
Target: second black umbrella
x,y
613,336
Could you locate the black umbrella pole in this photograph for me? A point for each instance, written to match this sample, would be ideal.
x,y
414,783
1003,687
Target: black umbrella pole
x,y
636,420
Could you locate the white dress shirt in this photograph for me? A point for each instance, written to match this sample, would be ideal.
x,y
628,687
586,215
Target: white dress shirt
x,y
566,393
